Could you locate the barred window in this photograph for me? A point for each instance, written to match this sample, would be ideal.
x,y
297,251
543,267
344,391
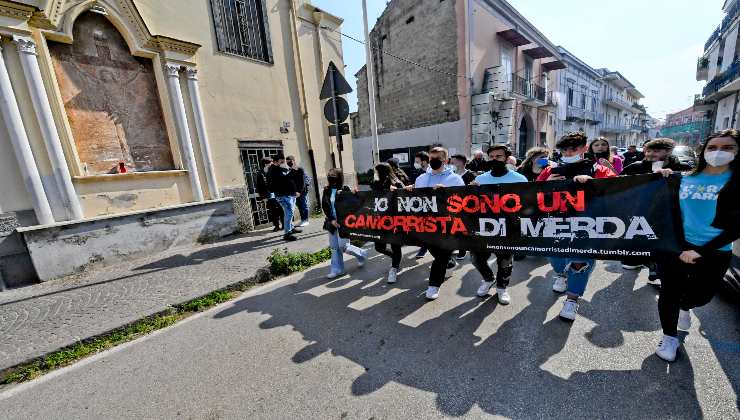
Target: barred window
x,y
242,28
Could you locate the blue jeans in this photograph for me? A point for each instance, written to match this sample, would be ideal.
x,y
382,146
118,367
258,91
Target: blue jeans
x,y
338,247
577,278
302,202
287,202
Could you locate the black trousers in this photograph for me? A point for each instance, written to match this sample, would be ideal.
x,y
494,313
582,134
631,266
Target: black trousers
x,y
274,212
687,286
439,266
394,253
504,263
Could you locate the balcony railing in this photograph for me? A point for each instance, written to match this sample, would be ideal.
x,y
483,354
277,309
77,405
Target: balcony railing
x,y
713,37
722,27
527,88
574,114
613,128
722,79
619,101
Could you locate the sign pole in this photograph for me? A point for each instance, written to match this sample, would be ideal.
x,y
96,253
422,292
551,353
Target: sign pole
x,y
370,71
336,120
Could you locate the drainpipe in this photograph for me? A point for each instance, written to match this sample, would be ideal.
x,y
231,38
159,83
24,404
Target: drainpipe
x,y
304,105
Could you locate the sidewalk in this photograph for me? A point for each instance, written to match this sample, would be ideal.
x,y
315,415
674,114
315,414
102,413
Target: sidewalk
x,y
41,318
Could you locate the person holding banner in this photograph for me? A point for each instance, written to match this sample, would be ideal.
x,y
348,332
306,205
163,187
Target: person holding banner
x,y
440,176
708,201
339,246
499,173
536,159
572,274
599,151
385,180
657,156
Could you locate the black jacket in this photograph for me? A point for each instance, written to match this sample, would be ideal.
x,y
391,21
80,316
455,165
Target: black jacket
x,y
280,181
384,186
726,217
476,165
262,189
645,167
630,158
299,179
468,177
326,202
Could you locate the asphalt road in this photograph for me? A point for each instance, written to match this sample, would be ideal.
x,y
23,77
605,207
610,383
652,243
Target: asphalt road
x,y
356,348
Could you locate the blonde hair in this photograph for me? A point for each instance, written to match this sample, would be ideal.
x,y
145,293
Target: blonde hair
x,y
440,150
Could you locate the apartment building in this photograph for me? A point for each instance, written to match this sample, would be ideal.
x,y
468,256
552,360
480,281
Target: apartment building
x,y
625,119
720,67
130,126
688,126
482,75
578,98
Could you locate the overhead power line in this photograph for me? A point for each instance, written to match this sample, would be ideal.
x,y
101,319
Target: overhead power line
x,y
397,57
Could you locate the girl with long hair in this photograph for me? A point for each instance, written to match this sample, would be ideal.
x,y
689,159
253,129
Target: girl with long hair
x,y
600,152
536,159
385,180
339,246
708,202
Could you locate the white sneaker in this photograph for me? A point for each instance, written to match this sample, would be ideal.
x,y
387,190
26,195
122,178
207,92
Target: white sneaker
x,y
631,267
503,296
392,276
432,292
334,275
570,308
303,223
485,286
667,348
684,320
560,284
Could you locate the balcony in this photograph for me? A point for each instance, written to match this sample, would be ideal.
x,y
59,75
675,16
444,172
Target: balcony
x,y
713,37
613,128
724,26
528,90
723,82
702,104
618,102
702,69
579,114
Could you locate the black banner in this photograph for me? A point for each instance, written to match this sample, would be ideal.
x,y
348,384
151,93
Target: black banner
x,y
604,219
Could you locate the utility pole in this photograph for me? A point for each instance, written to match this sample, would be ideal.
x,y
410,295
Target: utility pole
x,y
370,72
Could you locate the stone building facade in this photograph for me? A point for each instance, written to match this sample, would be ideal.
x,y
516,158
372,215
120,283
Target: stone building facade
x,y
141,122
463,74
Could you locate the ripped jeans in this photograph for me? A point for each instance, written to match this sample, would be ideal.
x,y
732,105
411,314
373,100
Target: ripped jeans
x,y
577,276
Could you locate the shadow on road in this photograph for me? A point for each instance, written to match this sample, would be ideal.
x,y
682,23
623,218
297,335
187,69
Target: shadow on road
x,y
502,373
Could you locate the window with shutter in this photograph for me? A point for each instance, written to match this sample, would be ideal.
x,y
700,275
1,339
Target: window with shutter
x,y
242,28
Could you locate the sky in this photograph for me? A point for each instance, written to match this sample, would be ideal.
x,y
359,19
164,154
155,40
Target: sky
x,y
653,43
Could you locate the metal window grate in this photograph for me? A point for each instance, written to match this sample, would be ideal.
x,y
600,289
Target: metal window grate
x,y
242,28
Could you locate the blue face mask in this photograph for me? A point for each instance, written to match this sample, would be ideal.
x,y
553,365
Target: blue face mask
x,y
542,163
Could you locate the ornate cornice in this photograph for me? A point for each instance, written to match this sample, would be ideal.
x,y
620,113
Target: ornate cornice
x,y
166,43
16,10
25,45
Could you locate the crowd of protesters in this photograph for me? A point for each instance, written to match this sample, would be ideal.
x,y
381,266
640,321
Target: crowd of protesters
x,y
707,200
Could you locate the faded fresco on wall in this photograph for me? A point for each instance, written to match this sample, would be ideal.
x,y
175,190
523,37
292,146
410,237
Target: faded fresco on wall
x,y
111,100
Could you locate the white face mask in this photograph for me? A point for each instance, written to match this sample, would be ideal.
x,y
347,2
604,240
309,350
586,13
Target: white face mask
x,y
718,158
266,168
417,165
570,159
657,165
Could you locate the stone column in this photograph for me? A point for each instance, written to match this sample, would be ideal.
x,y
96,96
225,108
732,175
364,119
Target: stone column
x,y
200,126
181,120
29,61
11,115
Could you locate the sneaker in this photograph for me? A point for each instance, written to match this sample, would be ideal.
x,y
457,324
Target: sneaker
x,y
461,255
485,286
684,320
432,292
296,230
361,261
451,264
667,348
290,237
631,267
570,308
334,275
421,254
392,276
653,279
303,223
560,284
503,296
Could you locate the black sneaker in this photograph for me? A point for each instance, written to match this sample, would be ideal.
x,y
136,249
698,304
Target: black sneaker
x,y
461,255
421,254
296,230
290,237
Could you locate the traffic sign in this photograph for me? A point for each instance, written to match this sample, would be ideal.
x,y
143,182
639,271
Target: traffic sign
x,y
340,87
343,130
342,108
